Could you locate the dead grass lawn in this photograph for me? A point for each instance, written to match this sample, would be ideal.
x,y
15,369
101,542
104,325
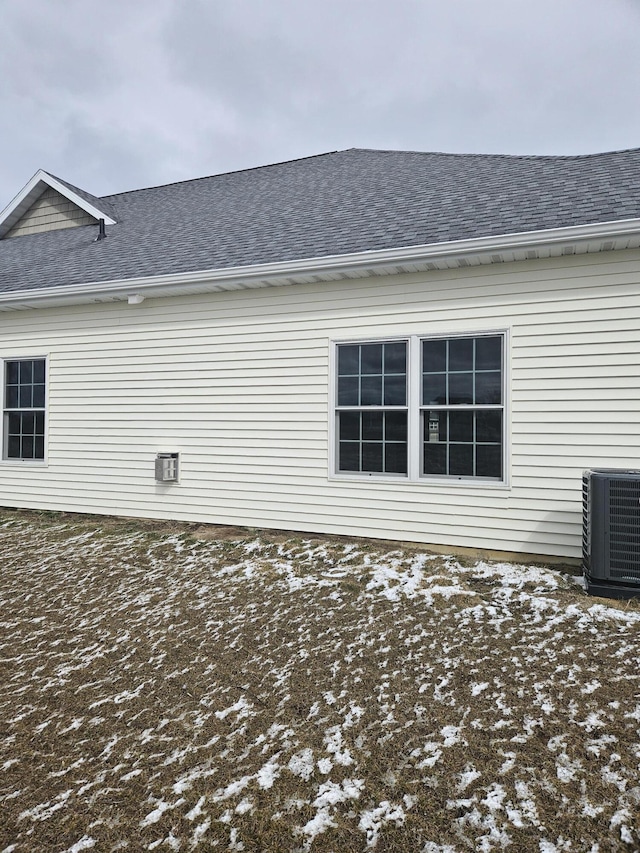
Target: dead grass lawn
x,y
167,688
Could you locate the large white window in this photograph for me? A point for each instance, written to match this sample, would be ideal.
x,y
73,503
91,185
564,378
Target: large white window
x,y
24,395
421,407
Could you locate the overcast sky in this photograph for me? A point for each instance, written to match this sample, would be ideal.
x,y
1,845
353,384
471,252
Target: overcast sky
x,y
123,94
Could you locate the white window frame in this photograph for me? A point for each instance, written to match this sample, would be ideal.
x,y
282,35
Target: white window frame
x,y
5,460
415,408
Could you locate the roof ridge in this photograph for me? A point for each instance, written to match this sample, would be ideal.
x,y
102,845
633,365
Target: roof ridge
x,y
447,154
222,174
464,154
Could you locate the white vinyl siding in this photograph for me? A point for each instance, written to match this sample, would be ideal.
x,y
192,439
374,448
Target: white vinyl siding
x,y
238,383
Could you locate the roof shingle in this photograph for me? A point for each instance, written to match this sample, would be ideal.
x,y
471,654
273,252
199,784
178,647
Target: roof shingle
x,y
332,204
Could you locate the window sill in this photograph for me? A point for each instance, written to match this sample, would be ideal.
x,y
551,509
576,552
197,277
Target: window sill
x,y
441,482
24,463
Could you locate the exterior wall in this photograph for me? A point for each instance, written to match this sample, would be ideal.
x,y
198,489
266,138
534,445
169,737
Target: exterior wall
x,y
238,383
50,212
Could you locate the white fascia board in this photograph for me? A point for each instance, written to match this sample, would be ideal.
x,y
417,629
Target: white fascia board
x,y
33,189
263,274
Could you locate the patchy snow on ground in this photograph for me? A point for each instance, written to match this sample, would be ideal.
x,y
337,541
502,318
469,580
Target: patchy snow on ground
x,y
161,691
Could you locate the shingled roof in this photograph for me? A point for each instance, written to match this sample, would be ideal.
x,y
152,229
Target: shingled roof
x,y
333,204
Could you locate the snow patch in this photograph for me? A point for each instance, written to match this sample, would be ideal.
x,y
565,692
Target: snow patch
x,y
373,820
85,843
301,764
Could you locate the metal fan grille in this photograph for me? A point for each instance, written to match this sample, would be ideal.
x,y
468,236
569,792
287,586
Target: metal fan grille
x,y
586,517
624,529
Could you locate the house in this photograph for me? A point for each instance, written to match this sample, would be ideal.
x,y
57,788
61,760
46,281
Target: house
x,y
423,347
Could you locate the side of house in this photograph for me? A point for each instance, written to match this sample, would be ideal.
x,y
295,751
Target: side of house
x,y
255,390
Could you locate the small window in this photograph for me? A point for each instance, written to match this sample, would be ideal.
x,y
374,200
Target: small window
x,y
24,409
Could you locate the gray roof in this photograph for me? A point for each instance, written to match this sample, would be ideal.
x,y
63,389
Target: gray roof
x,y
332,204
101,204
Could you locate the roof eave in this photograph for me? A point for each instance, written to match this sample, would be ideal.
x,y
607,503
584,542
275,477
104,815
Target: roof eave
x,y
596,237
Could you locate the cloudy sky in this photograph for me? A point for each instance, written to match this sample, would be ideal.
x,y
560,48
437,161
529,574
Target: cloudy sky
x,y
130,93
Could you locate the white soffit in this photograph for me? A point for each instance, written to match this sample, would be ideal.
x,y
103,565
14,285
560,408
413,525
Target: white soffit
x,y
30,193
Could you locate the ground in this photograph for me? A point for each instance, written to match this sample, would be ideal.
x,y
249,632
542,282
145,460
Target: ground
x,y
173,687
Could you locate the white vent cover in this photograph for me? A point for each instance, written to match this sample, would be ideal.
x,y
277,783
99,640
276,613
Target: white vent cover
x,y
167,467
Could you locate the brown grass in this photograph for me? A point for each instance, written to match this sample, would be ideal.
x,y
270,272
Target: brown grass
x,y
146,666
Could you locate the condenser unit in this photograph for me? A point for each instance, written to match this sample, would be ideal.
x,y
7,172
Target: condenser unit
x,y
611,532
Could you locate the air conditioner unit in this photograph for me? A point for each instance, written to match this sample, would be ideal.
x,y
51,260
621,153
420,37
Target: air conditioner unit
x,y
611,532
167,467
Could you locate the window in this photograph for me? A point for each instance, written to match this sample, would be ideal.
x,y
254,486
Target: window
x,y
462,406
421,407
24,409
372,407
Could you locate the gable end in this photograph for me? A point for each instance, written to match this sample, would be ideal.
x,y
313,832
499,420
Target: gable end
x,y
36,208
50,212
